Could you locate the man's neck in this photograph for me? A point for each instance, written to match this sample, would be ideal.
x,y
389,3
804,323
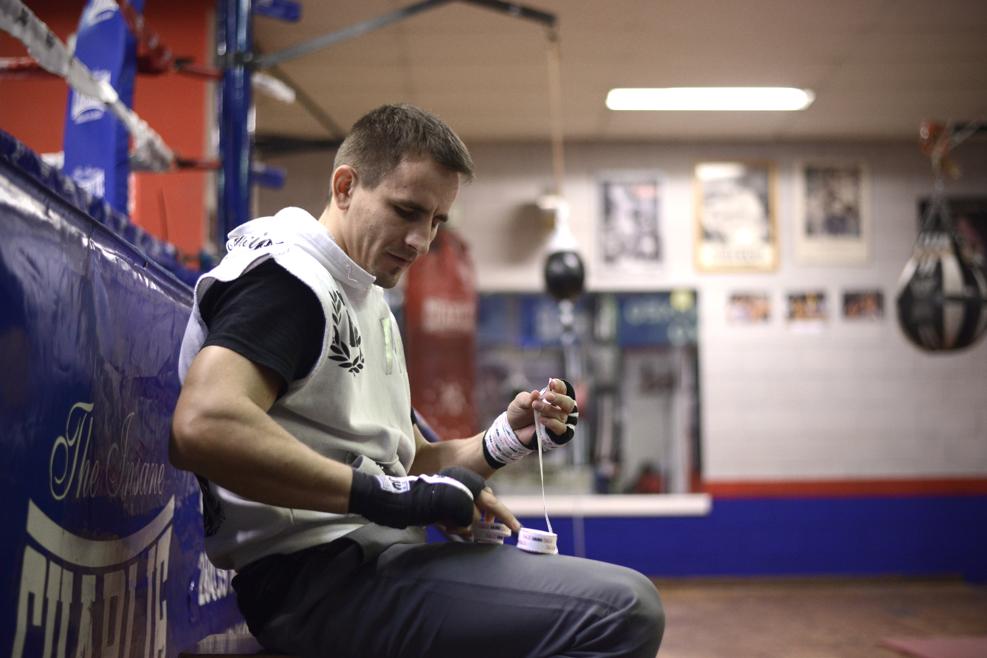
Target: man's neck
x,y
330,222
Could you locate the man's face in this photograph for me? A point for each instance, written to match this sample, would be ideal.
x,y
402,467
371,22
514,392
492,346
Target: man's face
x,y
388,227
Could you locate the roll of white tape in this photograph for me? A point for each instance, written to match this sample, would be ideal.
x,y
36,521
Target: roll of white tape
x,y
538,541
485,532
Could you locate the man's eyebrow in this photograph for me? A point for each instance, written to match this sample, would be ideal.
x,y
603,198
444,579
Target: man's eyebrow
x,y
418,208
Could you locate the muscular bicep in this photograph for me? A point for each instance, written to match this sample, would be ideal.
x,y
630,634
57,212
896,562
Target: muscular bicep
x,y
223,393
220,374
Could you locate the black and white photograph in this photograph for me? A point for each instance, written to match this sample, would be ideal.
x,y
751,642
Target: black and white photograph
x,y
735,217
832,221
630,227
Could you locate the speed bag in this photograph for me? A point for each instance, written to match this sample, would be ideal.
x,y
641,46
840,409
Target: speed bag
x,y
941,296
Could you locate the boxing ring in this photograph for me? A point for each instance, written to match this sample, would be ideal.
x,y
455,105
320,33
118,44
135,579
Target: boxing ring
x,y
104,538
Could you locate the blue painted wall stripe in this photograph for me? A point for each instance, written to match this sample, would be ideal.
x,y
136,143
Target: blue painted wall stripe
x,y
910,536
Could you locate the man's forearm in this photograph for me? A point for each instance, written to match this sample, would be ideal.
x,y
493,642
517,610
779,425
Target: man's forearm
x,y
433,457
242,449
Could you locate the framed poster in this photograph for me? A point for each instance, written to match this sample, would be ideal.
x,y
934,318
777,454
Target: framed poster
x,y
832,218
806,308
630,226
735,217
863,304
748,308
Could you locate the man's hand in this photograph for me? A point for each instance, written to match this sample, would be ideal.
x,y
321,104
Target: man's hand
x,y
488,508
450,498
511,437
557,408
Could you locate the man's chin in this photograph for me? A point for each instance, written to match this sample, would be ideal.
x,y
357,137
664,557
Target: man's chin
x,y
388,279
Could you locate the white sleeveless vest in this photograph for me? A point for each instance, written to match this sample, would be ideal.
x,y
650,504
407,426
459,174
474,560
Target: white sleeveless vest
x,y
355,405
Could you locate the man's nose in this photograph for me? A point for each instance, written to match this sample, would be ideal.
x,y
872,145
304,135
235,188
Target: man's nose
x,y
419,238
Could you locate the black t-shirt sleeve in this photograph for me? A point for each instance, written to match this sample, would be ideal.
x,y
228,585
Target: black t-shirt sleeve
x,y
269,317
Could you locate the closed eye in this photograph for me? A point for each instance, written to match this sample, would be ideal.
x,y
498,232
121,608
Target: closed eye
x,y
413,212
406,213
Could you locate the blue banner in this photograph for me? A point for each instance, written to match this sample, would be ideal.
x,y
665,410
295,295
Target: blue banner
x,y
662,318
541,324
103,542
496,321
641,320
96,143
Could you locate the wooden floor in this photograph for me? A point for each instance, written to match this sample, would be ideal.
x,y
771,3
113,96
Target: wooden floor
x,y
813,618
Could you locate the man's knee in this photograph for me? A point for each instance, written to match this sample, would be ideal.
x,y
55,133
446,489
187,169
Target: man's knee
x,y
644,616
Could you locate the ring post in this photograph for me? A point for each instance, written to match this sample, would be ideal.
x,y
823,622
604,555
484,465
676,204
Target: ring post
x,y
234,39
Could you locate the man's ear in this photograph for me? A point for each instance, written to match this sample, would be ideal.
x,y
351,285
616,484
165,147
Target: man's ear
x,y
344,182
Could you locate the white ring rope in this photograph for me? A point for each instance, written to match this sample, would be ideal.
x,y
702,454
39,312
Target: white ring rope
x,y
150,151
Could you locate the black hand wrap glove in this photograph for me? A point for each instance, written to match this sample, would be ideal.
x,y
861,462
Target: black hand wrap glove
x,y
571,420
399,502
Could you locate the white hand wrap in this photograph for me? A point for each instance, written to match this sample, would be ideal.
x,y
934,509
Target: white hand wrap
x,y
501,445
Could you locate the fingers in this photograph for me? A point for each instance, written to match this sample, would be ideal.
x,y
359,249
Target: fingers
x,y
524,399
553,407
555,403
487,503
553,425
557,385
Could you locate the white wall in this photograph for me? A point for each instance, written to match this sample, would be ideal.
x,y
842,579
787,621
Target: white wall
x,y
849,401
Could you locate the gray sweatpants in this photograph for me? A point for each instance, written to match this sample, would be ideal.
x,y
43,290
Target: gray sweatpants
x,y
448,600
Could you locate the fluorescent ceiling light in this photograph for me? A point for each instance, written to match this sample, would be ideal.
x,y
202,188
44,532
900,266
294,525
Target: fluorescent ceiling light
x,y
710,99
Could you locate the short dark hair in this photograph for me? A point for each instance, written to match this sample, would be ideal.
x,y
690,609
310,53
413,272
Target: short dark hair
x,y
385,135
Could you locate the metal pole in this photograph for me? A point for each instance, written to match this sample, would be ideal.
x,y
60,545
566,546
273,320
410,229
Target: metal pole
x,y
326,40
234,40
516,10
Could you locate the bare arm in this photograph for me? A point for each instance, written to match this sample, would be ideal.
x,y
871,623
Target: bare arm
x,y
433,457
221,431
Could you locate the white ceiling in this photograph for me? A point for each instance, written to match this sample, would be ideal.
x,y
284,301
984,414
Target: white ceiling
x,y
878,67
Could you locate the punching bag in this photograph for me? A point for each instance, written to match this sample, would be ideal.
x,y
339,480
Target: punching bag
x,y
942,297
564,272
440,327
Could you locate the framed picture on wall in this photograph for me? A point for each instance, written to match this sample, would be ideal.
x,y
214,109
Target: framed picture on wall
x,y
630,225
748,308
832,218
735,217
864,305
806,308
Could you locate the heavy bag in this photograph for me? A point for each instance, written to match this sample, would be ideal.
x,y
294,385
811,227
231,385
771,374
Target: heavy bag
x,y
942,297
440,326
